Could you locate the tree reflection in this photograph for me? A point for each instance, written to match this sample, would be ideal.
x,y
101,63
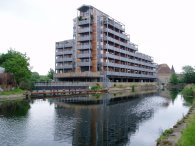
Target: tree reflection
x,y
173,93
14,108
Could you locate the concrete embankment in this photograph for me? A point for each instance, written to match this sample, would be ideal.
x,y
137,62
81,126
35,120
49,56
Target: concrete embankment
x,y
133,87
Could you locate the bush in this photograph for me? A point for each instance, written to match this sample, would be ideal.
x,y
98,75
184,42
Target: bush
x,y
96,87
188,91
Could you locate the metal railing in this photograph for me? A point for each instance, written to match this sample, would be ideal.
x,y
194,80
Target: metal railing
x,y
78,74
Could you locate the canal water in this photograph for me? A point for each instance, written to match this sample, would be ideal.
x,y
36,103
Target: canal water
x,y
100,120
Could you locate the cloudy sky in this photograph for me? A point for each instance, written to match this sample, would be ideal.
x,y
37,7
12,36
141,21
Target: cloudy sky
x,y
163,29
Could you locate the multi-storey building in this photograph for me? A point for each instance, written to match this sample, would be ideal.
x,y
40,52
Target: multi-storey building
x,y
101,50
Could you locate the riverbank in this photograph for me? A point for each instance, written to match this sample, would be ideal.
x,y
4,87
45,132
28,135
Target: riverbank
x,y
11,97
132,87
183,132
172,136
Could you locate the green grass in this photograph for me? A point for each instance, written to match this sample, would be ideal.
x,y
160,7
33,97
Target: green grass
x,y
165,134
188,135
11,92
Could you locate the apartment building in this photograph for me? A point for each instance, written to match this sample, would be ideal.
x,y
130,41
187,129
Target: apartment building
x,y
101,51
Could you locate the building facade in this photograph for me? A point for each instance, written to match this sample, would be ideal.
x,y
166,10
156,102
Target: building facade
x,y
101,51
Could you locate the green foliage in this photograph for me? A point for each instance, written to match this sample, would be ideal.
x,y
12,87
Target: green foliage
x,y
189,93
11,92
133,88
165,134
173,79
16,63
188,135
80,18
44,78
173,93
188,74
14,108
35,76
50,73
96,87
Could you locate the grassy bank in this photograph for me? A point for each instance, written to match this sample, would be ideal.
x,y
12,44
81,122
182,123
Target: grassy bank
x,y
188,134
183,132
12,92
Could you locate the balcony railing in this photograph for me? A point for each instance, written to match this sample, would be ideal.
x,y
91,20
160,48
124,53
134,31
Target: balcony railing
x,y
78,74
84,38
64,59
129,74
64,45
64,52
115,24
108,55
87,29
82,22
117,33
80,47
84,55
111,64
84,63
64,66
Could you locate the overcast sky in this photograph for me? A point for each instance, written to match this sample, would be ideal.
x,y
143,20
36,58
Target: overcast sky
x,y
163,29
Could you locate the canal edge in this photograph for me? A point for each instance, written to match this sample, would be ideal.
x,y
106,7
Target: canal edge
x,y
172,138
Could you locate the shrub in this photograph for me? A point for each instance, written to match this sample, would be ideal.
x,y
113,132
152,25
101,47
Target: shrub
x,y
96,87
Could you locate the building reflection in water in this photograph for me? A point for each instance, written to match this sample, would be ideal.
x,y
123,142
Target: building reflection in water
x,y
112,122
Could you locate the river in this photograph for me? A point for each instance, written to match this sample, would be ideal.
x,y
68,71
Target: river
x,y
101,120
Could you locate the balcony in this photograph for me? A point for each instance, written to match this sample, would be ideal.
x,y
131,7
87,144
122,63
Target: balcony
x,y
84,55
68,66
83,22
119,50
120,74
82,30
115,24
84,38
64,59
143,56
82,47
64,52
63,45
121,35
78,74
84,63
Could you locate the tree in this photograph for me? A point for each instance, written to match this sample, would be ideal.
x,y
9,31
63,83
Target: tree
x,y
50,73
188,74
35,77
16,63
173,79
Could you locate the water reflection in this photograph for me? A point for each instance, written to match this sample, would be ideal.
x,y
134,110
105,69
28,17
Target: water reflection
x,y
107,119
105,124
14,108
13,122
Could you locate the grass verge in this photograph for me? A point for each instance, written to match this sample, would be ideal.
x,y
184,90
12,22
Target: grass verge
x,y
12,92
188,134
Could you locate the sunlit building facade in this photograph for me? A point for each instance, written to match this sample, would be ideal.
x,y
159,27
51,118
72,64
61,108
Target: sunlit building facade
x,y
101,50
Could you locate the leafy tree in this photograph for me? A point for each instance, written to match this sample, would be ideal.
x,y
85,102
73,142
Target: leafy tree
x,y
35,77
173,79
16,63
188,74
50,73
